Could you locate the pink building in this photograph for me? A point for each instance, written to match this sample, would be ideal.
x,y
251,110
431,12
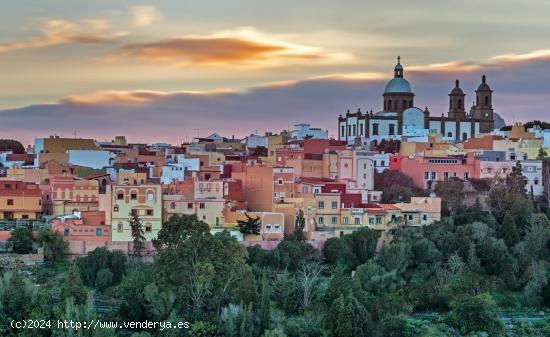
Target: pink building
x,y
428,170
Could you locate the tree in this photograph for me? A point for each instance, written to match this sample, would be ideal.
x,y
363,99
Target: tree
x,y
55,247
215,268
300,225
452,194
307,281
509,231
542,154
104,279
12,145
21,240
516,181
98,259
265,304
472,314
348,318
249,226
138,237
73,287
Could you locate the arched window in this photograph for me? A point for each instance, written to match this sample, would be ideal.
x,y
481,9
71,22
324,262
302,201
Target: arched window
x,y
385,105
389,104
410,104
464,136
343,131
486,100
404,104
477,100
451,103
460,104
375,129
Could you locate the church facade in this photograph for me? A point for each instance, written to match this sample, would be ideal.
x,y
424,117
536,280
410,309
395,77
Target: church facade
x,y
401,119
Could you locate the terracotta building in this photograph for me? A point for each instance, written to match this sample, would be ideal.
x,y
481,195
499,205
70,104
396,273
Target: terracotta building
x,y
19,200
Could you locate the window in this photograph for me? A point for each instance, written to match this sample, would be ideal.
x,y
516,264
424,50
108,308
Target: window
x,y
10,202
357,221
148,228
378,220
466,175
321,220
120,196
426,175
150,196
434,176
389,105
201,205
446,176
425,217
334,204
24,216
172,205
375,129
360,129
460,104
371,221
464,136
334,220
536,182
280,181
382,163
342,131
486,100
149,212
189,205
119,227
410,217
392,130
345,220
115,208
133,196
134,212
449,134
321,204
98,232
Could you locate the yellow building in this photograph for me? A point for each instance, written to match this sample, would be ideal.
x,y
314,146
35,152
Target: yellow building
x,y
69,194
19,200
56,144
143,200
131,178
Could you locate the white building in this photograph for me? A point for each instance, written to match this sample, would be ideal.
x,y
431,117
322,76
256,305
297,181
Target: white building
x,y
176,171
304,130
96,159
399,117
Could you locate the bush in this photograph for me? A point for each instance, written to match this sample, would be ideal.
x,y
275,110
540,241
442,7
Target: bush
x,y
104,279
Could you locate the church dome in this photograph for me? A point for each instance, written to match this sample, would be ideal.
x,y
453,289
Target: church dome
x,y
457,91
483,86
399,85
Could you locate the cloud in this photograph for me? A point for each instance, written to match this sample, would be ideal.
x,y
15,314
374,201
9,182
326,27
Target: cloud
x,y
520,92
58,32
244,46
533,55
144,16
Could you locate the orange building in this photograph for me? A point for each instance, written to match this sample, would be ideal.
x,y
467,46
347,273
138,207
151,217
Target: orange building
x,y
19,200
68,194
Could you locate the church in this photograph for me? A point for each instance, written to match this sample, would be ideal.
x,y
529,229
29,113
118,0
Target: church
x,y
400,119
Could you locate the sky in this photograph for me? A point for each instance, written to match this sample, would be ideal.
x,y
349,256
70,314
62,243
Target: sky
x,y
166,71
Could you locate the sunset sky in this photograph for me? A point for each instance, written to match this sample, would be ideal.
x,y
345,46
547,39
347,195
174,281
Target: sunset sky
x,y
165,71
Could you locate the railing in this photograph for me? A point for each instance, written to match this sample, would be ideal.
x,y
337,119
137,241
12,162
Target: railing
x,y
31,224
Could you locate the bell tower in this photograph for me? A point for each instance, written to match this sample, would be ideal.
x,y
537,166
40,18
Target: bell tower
x,y
483,109
456,102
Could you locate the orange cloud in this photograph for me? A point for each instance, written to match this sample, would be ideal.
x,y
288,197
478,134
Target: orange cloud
x,y
245,46
447,67
137,97
57,32
533,55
